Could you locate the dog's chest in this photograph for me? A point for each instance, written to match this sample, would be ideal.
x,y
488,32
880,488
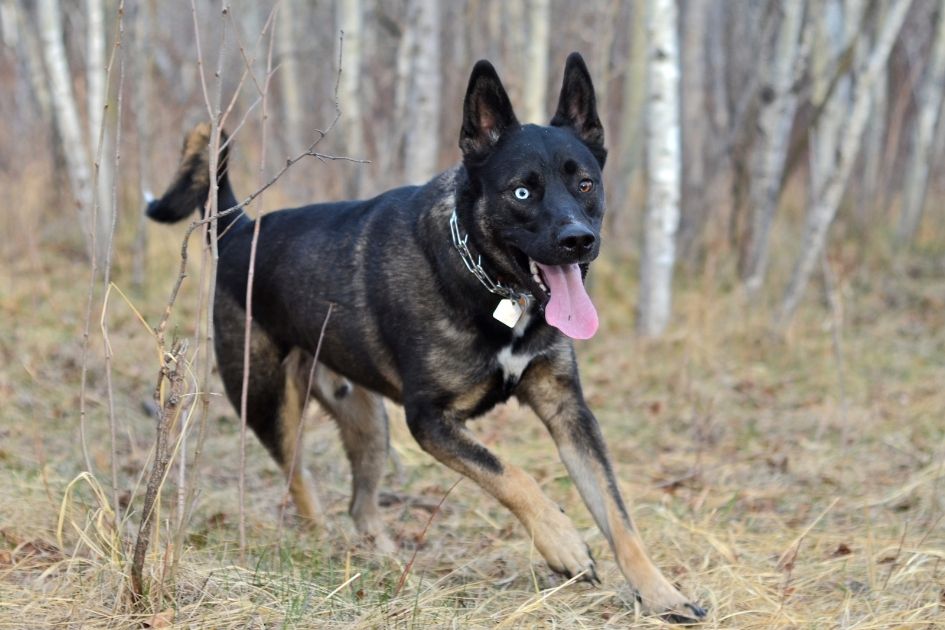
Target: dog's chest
x,y
512,362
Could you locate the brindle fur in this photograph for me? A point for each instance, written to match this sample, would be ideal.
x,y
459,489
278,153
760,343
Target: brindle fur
x,y
411,324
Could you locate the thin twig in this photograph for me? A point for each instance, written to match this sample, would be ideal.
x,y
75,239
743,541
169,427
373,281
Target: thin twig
x,y
112,421
297,441
413,557
247,332
836,330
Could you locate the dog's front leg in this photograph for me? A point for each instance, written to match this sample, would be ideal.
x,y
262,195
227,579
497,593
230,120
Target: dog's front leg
x,y
553,533
552,388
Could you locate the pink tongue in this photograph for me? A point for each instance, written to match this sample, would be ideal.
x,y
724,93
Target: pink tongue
x,y
570,309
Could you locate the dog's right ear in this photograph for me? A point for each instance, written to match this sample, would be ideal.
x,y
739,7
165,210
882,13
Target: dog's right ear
x,y
487,111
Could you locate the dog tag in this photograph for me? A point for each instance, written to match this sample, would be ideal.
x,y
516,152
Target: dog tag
x,y
508,312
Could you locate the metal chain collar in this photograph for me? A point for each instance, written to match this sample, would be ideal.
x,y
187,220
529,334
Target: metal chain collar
x,y
475,266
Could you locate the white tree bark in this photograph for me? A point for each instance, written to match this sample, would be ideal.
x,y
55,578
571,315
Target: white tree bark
x,y
872,188
835,173
663,169
630,143
95,65
143,94
693,87
536,61
289,79
98,133
351,21
423,100
923,134
67,115
34,61
775,120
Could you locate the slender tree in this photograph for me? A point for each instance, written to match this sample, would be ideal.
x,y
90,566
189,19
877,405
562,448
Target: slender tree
x,y
66,114
98,132
423,99
693,103
775,119
663,168
536,76
921,157
143,94
289,78
630,143
826,196
351,23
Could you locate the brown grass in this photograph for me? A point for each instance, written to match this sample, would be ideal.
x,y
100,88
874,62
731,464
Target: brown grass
x,y
714,430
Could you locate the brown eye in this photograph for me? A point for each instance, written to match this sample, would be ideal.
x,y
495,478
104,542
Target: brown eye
x,y
585,186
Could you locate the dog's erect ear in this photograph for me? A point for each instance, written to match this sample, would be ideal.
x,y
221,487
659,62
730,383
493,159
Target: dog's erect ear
x,y
487,111
577,106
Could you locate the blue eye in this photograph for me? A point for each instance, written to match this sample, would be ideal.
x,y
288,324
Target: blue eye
x,y
522,193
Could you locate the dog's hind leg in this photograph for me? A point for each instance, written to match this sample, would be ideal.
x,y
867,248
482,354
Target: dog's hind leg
x,y
362,423
274,400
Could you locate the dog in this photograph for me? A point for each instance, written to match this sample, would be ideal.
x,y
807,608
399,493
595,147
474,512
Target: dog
x,y
447,298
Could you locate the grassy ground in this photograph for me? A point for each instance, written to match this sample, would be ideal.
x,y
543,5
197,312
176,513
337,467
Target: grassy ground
x,y
777,484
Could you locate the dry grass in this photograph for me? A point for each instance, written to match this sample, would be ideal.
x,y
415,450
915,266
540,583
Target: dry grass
x,y
758,490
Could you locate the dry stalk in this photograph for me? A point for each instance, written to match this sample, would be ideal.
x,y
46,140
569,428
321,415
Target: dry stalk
x,y
413,557
168,396
247,332
112,420
297,441
836,330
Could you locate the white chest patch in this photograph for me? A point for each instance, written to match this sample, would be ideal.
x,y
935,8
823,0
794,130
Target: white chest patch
x,y
513,364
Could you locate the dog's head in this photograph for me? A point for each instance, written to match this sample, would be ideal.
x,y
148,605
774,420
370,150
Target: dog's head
x,y
538,193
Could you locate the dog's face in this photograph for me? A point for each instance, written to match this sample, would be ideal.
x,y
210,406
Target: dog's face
x,y
539,193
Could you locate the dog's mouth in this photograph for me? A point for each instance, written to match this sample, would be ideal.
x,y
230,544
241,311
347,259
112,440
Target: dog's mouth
x,y
560,290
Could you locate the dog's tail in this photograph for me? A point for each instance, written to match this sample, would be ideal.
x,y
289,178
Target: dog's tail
x,y
191,184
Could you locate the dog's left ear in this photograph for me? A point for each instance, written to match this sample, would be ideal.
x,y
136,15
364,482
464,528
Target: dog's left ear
x,y
577,107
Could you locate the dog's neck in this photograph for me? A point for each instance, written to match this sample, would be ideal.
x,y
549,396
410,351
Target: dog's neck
x,y
473,264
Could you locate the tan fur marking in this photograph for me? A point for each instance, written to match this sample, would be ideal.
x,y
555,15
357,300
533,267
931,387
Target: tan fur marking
x,y
471,397
362,423
551,531
290,421
550,393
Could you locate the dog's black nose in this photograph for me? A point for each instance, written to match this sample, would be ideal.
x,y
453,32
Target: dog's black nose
x,y
576,238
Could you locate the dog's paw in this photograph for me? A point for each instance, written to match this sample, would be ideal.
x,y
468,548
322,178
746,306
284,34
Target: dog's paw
x,y
666,602
691,614
563,548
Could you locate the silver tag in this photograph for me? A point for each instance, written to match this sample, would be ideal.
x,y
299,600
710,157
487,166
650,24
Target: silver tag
x,y
508,312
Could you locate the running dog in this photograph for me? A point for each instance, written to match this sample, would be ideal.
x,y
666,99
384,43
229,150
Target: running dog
x,y
448,298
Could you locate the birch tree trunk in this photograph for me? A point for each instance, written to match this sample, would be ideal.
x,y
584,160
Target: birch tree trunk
x,y
95,65
144,75
352,23
98,133
872,189
33,61
67,116
923,134
775,120
663,169
694,205
423,101
536,64
630,143
834,175
289,79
